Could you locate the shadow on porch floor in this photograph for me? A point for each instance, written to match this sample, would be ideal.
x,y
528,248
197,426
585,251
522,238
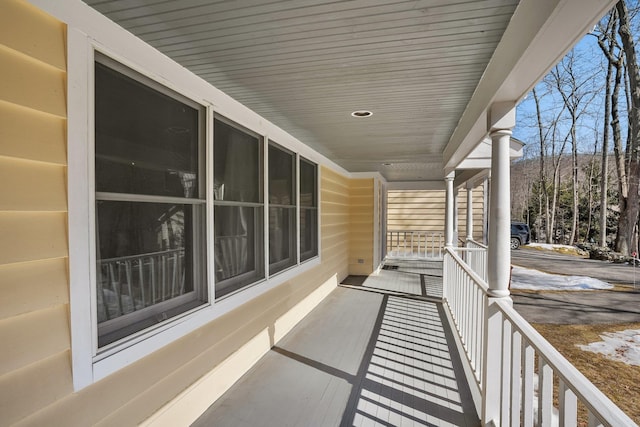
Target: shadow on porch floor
x,y
375,352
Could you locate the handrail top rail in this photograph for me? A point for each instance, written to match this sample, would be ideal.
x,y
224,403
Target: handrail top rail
x,y
480,245
596,401
474,276
138,256
415,231
465,249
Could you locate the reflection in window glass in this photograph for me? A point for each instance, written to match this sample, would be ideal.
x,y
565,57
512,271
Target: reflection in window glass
x,y
282,209
308,186
308,210
308,233
149,250
237,165
239,209
282,186
146,141
145,258
238,247
282,238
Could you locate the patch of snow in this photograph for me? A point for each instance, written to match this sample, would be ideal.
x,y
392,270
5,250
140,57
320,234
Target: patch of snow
x,y
623,346
550,246
525,278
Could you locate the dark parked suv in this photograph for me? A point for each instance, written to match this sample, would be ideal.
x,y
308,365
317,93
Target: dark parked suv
x,y
519,234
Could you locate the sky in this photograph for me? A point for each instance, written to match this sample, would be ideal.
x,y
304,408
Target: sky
x,y
589,60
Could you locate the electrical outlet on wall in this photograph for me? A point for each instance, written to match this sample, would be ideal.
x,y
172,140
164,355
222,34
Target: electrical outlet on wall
x,y
360,261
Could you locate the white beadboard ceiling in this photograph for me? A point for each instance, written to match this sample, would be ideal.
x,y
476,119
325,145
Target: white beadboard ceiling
x,y
305,65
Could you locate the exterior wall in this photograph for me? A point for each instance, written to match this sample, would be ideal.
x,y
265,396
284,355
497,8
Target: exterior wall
x,y
425,210
34,296
361,207
176,383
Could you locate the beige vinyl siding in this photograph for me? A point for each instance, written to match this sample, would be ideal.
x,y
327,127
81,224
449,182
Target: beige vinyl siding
x,y
361,195
34,286
425,210
335,219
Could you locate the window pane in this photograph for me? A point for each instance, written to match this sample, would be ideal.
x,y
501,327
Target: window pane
x,y
308,187
238,247
145,264
308,233
282,238
237,164
281,177
146,141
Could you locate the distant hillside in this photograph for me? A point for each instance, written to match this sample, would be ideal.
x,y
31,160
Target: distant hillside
x,y
525,174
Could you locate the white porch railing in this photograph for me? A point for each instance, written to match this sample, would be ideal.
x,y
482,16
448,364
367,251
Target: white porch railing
x,y
415,244
475,256
131,283
520,393
465,296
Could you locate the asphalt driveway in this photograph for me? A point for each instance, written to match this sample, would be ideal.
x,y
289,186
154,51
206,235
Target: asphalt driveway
x,y
550,262
578,307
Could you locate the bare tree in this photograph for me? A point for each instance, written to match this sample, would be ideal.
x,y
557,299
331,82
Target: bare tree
x,y
629,209
574,87
542,186
607,43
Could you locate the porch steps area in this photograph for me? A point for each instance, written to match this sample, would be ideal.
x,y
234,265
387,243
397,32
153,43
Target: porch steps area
x,y
377,351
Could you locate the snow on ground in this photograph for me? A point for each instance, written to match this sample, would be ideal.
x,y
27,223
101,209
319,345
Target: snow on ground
x,y
550,247
623,346
524,278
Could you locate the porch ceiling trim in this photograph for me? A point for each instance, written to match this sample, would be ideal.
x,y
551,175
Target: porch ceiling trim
x,y
480,157
470,178
538,35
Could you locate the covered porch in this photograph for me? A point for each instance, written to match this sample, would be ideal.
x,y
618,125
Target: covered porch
x,y
370,95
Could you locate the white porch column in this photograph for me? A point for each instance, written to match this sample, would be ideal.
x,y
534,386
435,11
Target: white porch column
x,y
499,252
469,212
485,209
456,216
501,121
449,216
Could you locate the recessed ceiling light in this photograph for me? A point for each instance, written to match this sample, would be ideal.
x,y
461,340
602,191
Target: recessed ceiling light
x,y
362,113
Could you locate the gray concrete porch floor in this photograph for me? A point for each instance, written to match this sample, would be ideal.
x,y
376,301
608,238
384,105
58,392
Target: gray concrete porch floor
x,y
376,352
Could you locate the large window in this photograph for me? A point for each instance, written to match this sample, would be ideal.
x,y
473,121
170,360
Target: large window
x,y
282,209
176,214
150,204
239,207
165,254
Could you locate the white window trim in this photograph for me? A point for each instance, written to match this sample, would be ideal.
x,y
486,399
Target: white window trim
x,y
88,366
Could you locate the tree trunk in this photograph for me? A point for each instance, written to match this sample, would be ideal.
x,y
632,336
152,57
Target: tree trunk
x,y
604,169
629,216
542,188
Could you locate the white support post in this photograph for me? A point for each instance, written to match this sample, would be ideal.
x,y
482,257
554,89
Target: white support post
x,y
499,252
469,212
448,220
501,121
456,216
486,202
